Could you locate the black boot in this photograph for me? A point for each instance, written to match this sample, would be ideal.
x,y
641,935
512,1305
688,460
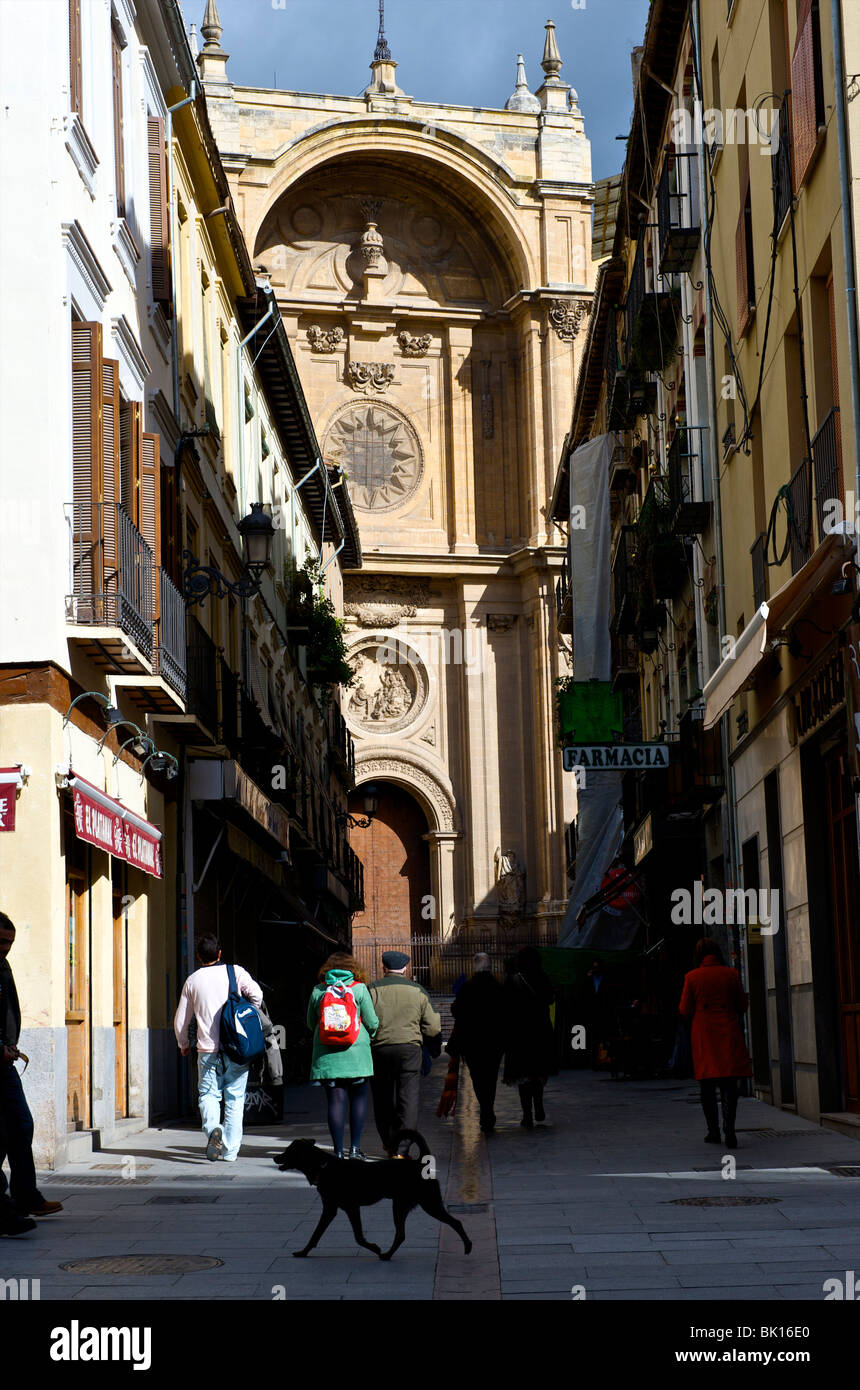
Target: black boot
x,y
708,1093
525,1090
537,1092
729,1097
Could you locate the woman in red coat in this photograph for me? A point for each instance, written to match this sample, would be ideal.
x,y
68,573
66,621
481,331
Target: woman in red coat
x,y
714,1002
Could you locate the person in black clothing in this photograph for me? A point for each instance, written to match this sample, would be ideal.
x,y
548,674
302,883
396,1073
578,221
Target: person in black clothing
x,y
529,1039
16,1122
478,1013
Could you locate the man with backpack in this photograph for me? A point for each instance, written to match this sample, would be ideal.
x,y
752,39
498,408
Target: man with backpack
x,y
229,1038
406,1020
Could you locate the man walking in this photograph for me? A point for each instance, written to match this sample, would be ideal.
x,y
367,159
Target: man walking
x,y
204,995
16,1122
406,1017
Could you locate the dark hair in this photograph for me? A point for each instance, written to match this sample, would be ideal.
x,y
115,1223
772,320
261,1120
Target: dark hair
x,y
208,948
529,961
341,960
6,923
708,947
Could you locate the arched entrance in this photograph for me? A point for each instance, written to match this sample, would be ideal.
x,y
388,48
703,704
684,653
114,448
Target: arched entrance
x,y
396,858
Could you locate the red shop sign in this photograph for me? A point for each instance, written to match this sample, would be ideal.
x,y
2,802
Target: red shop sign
x,y
10,781
110,826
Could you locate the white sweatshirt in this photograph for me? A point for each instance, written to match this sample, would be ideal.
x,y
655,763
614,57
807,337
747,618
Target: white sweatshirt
x,y
203,997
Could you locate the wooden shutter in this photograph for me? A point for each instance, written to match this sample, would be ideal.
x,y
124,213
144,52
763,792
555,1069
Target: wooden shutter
x,y
118,141
831,315
75,87
86,468
110,489
171,525
804,120
129,454
158,234
149,502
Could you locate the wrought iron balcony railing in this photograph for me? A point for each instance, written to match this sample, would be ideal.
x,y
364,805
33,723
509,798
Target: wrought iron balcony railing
x,y
678,212
827,461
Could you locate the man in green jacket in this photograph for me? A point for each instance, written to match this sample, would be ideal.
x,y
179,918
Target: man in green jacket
x,y
406,1018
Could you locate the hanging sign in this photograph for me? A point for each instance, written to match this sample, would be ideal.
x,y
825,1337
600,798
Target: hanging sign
x,y
10,781
617,755
110,826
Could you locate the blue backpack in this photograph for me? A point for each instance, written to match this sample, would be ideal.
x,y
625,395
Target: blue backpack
x,y
241,1030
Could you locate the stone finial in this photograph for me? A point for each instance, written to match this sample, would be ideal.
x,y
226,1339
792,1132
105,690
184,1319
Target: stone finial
x,y
211,28
193,43
382,53
551,61
522,99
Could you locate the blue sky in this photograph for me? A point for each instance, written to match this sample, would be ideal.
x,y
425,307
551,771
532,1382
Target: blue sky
x,y
458,51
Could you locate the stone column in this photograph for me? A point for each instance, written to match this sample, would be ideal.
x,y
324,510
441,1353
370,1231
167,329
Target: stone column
x,y
442,843
461,444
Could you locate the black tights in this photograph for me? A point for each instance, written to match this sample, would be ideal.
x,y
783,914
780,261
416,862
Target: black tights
x,y
531,1093
728,1094
356,1091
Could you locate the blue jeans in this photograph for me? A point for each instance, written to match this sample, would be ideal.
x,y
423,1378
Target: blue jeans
x,y
16,1140
217,1076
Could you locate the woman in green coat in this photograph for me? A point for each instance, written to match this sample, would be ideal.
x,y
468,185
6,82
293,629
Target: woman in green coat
x,y
344,1071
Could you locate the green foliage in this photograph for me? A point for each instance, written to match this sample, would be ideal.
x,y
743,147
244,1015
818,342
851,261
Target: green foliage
x,y
327,658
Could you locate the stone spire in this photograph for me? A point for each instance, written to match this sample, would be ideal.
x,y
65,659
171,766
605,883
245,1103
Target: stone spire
x,y
522,99
383,83
212,60
553,94
192,42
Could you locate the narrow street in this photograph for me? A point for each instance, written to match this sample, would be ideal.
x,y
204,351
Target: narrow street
x,y
616,1197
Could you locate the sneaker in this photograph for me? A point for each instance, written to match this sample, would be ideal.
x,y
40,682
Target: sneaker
x,y
16,1225
355,1152
43,1208
215,1144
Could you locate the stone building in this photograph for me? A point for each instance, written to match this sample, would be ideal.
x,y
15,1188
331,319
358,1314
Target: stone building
x,y
432,266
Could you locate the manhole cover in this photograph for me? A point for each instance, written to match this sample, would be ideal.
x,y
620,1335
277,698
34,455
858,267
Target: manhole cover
x,y
176,1200
723,1201
843,1170
82,1181
142,1264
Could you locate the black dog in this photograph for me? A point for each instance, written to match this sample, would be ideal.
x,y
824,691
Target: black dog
x,y
349,1186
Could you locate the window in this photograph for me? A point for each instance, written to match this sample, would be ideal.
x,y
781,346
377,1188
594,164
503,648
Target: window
x,y
744,262
118,139
75,84
807,89
158,231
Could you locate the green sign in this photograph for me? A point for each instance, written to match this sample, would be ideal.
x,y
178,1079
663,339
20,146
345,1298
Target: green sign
x,y
590,712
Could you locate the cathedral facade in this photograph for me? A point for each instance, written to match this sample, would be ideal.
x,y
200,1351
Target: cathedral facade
x,y
432,265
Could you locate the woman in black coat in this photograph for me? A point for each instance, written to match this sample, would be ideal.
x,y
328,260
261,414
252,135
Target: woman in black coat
x,y
479,1012
529,1040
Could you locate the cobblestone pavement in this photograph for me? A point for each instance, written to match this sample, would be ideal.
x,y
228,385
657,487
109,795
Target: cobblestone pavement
x,y
588,1203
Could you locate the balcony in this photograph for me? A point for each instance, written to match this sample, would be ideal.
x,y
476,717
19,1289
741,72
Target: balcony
x,y
696,772
827,464
228,691
112,586
689,518
341,744
624,583
170,652
782,186
800,517
564,600
625,661
622,471
202,693
678,213
651,325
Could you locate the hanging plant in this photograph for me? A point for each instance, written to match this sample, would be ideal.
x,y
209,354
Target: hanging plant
x,y
307,606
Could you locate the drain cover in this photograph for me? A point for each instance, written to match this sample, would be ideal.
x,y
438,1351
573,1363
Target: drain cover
x,y
844,1170
175,1200
82,1181
782,1133
142,1264
723,1201
121,1166
468,1208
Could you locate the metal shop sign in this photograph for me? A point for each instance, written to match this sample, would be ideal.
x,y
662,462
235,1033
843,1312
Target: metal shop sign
x,y
10,781
643,839
821,695
110,826
617,755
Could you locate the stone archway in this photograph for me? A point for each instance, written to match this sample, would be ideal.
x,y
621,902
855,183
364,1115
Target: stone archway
x,y
436,801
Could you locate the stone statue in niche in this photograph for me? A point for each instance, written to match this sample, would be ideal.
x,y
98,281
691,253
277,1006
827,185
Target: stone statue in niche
x,y
382,694
510,887
393,698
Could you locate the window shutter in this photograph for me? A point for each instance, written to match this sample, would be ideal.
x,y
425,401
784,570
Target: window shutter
x,y
110,490
158,234
804,122
129,455
75,55
119,150
86,468
149,502
831,315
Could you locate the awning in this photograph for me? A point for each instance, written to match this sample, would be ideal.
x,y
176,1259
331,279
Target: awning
x,y
107,824
772,618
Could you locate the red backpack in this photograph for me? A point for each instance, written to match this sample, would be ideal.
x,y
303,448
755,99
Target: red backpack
x,y
339,1019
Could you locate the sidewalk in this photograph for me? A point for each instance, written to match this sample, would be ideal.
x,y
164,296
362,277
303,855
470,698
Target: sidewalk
x,y
588,1202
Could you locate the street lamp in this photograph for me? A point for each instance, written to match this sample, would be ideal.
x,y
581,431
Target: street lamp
x,y
112,714
199,581
371,803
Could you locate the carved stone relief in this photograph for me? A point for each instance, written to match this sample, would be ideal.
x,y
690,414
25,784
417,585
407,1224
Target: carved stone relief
x,y
407,773
386,695
501,622
380,601
324,339
378,449
566,316
414,347
370,376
